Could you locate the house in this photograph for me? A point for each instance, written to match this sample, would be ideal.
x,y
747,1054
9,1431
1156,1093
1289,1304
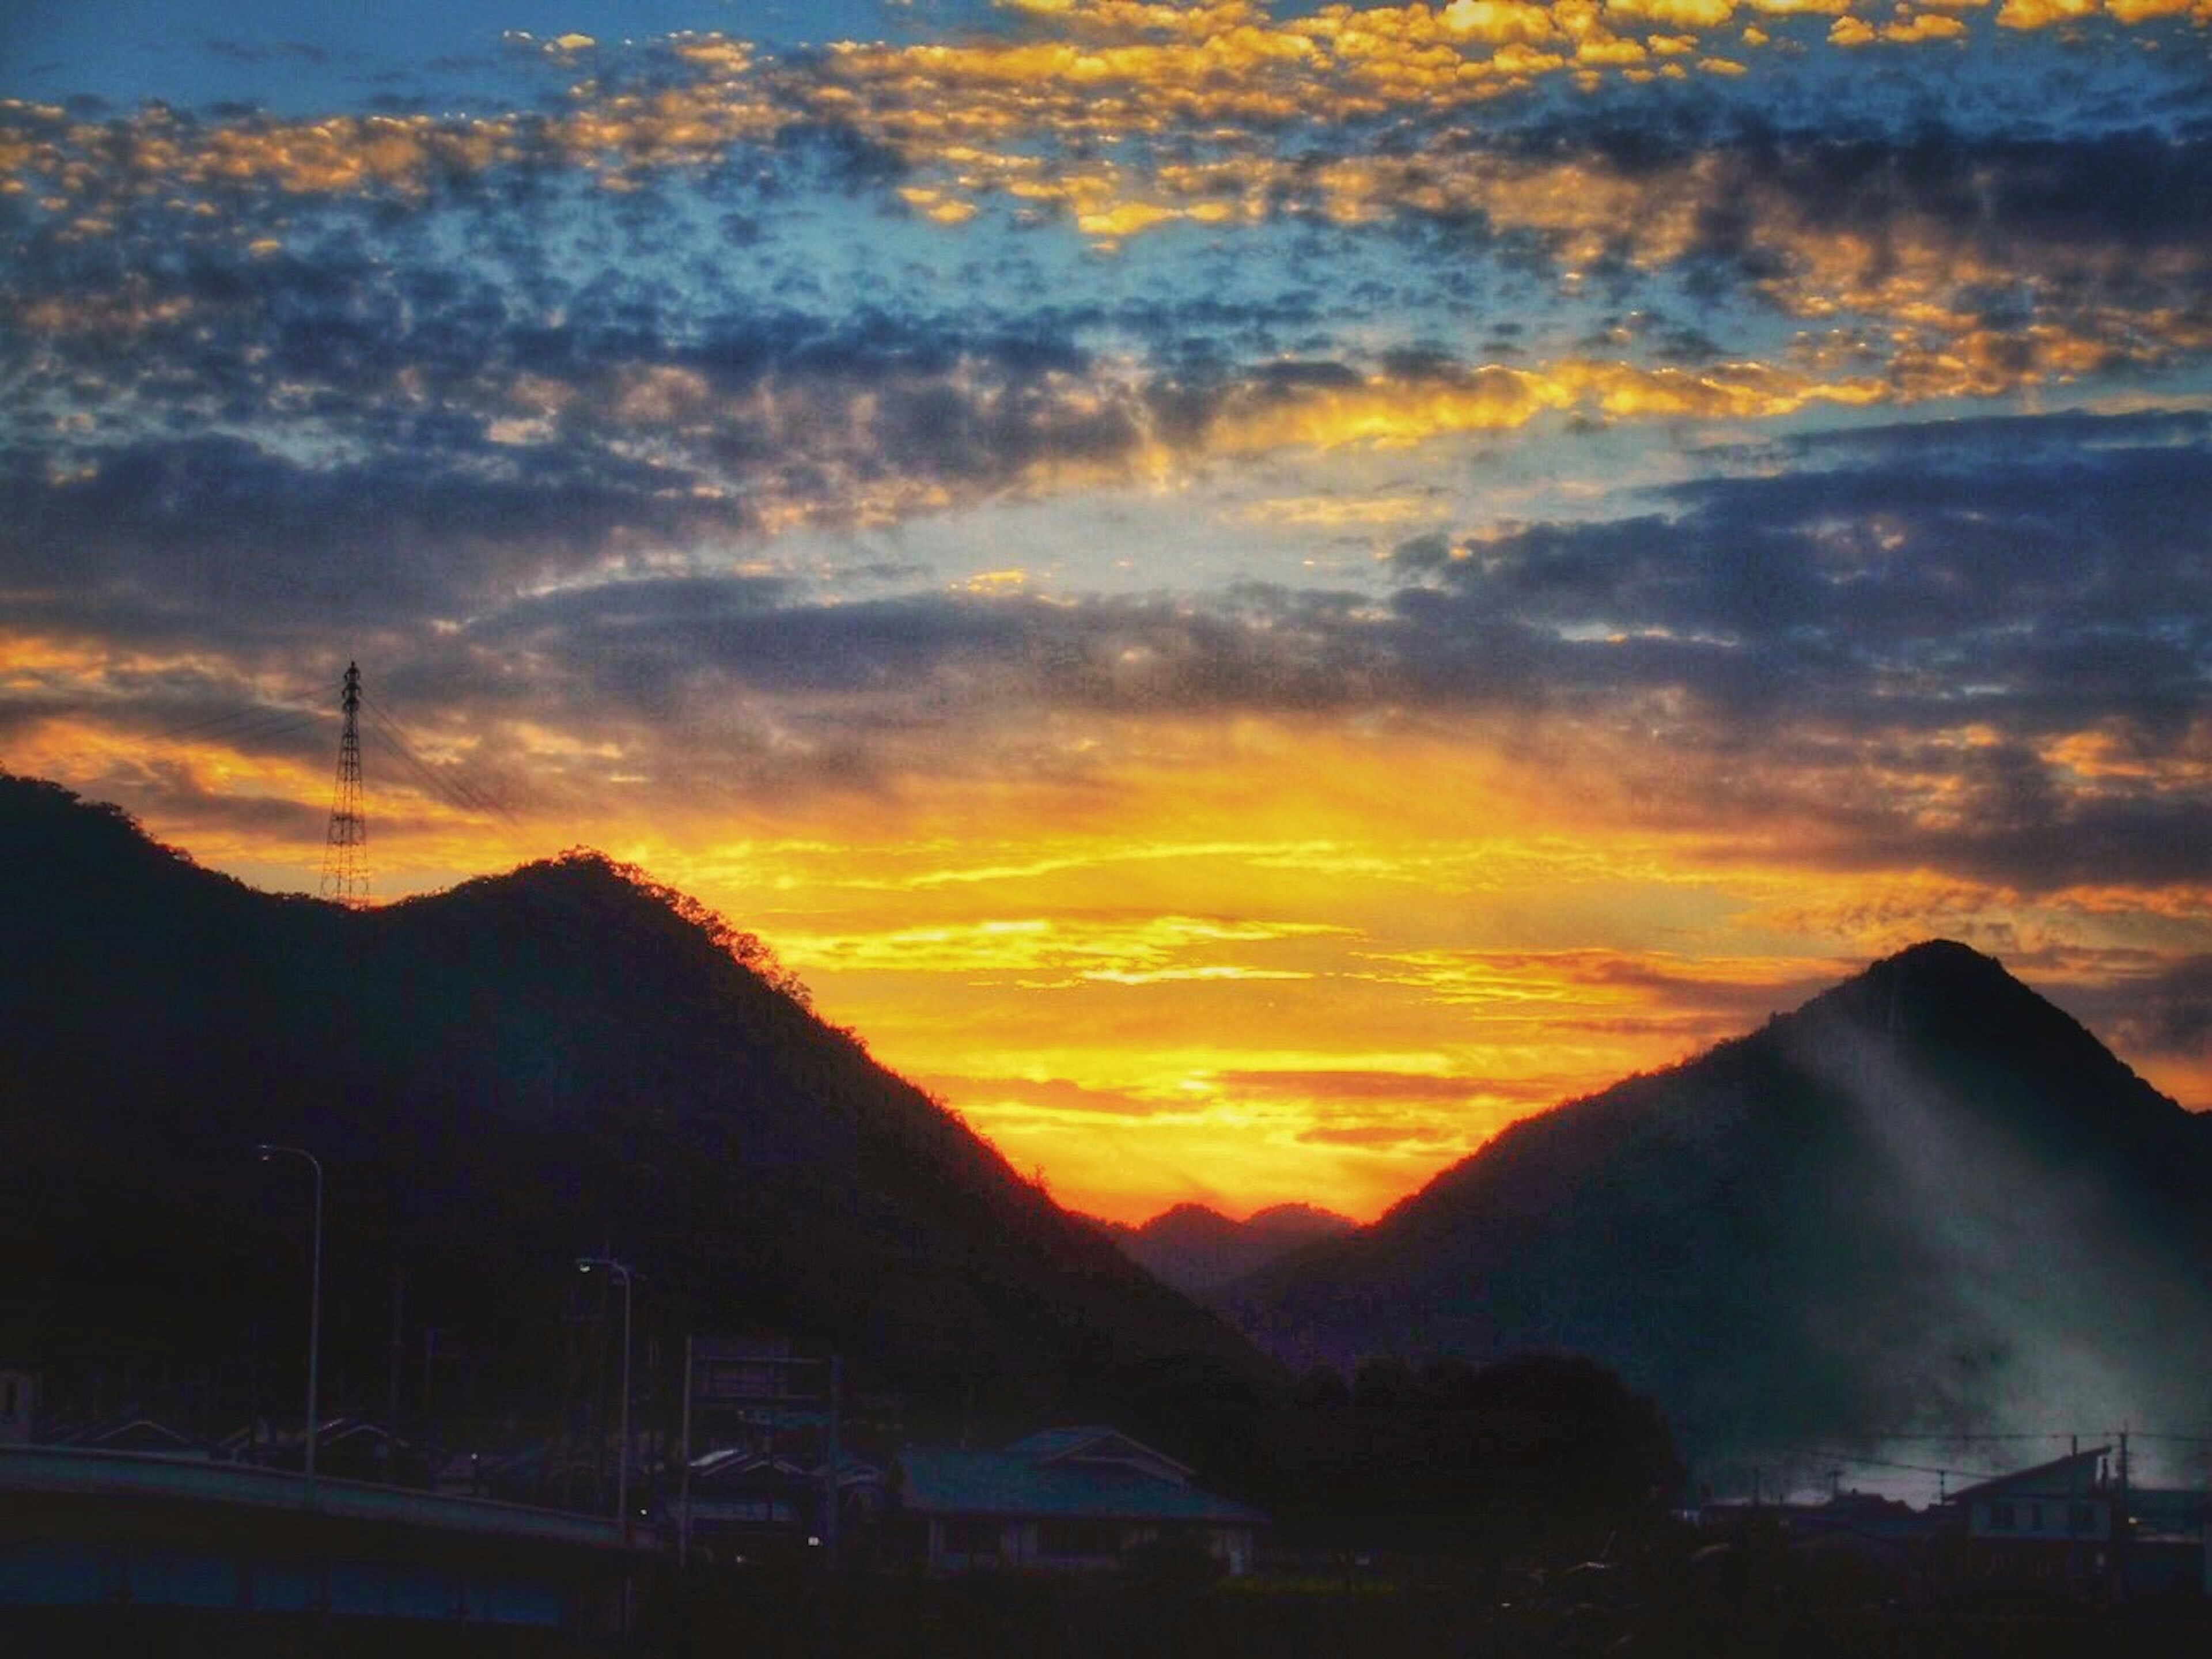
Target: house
x,y
134,1431
1863,1537
753,1504
347,1448
2053,1524
1066,1499
777,1481
359,1448
511,1475
1882,1536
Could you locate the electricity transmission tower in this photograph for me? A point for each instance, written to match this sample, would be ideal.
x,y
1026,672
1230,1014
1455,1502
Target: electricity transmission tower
x,y
346,851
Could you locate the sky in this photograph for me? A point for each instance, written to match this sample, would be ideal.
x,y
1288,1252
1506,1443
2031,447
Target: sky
x,y
1248,593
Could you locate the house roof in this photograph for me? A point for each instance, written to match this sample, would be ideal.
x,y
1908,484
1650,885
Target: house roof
x,y
328,1432
941,1481
2065,1476
1089,1441
738,1467
1860,1519
135,1432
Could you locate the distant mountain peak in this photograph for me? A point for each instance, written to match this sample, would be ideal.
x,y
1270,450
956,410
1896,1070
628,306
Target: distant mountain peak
x,y
1935,971
1305,1219
1186,1211
1943,953
1197,1248
1945,1006
600,888
1936,966
1928,1197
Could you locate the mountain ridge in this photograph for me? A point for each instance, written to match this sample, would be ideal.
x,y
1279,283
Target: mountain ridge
x,y
563,1059
1927,1196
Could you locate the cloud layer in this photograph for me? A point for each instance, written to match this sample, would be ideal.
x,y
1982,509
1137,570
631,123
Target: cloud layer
x,y
1296,585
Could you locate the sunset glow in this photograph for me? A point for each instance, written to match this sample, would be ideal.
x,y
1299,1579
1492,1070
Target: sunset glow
x,y
1248,593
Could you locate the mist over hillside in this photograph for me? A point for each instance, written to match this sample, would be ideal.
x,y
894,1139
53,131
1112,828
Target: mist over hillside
x,y
1927,1201
561,1060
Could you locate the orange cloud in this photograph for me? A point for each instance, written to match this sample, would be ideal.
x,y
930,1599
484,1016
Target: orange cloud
x,y
1091,72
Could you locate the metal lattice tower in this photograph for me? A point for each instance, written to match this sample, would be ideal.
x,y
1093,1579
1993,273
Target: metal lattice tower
x,y
346,851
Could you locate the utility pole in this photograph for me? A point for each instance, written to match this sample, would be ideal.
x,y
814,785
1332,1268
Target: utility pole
x,y
345,848
832,1453
265,1151
683,1489
399,1347
2122,1526
620,1272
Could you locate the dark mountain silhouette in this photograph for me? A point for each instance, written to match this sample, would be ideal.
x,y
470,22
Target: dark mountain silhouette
x,y
1198,1249
499,1078
1927,1201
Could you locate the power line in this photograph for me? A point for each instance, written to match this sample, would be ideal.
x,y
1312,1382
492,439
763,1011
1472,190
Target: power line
x,y
1817,1455
1787,1454
1971,1436
1977,1439
438,787
449,790
345,874
243,725
452,787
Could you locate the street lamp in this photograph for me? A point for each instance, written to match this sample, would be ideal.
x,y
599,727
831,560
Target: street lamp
x,y
622,1274
267,1152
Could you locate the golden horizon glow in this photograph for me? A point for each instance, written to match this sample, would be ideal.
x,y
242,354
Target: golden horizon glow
x,y
1104,988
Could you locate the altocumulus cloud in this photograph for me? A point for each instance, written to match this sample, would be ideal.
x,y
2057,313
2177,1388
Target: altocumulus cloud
x,y
214,264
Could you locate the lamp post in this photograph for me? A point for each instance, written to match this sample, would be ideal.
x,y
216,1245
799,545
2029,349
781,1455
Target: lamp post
x,y
267,1152
621,1275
